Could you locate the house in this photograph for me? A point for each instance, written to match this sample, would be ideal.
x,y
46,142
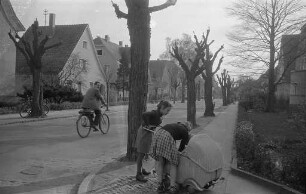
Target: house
x,y
8,22
292,86
110,55
74,62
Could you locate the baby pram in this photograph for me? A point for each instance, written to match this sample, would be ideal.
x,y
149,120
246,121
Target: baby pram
x,y
200,164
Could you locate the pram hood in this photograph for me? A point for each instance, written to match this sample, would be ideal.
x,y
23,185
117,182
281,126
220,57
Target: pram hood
x,y
204,152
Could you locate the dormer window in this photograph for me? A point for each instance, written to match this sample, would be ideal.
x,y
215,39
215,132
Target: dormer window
x,y
99,52
84,44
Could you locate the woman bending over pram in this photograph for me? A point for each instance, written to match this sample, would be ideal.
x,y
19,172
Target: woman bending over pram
x,y
164,151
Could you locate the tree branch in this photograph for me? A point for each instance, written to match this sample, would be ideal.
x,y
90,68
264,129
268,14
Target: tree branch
x,y
162,6
218,67
118,12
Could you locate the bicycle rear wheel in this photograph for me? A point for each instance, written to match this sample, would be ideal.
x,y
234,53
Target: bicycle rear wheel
x,y
83,126
25,111
104,123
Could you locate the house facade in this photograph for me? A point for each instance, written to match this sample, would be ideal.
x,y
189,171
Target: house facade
x,y
8,22
74,62
109,55
292,86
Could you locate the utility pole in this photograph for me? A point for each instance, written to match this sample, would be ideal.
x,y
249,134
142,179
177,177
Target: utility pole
x,y
45,13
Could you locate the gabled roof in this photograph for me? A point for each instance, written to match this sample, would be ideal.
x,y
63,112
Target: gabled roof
x,y
54,59
157,67
113,48
9,14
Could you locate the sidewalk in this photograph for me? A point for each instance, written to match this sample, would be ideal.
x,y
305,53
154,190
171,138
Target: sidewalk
x,y
119,177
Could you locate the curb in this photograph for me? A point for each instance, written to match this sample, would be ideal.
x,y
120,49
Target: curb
x,y
86,183
281,189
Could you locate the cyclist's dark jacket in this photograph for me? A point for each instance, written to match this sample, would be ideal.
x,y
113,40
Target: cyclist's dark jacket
x,y
92,99
151,118
178,132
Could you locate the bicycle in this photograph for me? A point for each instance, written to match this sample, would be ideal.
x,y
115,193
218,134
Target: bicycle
x,y
25,110
85,122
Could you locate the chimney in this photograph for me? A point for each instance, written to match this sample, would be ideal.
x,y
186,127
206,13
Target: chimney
x,y
120,43
52,20
107,39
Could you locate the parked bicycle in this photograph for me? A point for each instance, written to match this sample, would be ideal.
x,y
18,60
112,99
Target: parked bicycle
x,y
85,124
25,110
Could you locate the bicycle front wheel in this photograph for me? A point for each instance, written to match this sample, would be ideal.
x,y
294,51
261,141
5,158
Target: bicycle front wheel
x,y
83,126
45,109
104,123
25,111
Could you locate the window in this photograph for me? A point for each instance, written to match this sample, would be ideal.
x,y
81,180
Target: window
x,y
84,44
82,63
99,52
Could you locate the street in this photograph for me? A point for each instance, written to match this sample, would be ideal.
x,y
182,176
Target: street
x,y
49,154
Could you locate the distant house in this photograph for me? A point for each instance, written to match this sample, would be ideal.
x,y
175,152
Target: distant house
x,y
293,84
77,50
8,22
109,55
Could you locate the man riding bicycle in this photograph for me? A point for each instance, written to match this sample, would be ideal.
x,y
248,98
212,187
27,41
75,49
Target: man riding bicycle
x,y
92,101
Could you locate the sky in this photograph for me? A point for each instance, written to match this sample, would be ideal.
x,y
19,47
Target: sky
x,y
187,16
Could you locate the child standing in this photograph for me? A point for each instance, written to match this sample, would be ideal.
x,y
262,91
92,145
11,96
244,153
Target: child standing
x,y
150,120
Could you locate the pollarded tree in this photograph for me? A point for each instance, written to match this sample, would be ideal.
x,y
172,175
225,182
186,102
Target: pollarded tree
x,y
222,82
192,66
229,85
208,75
33,48
257,39
138,22
226,84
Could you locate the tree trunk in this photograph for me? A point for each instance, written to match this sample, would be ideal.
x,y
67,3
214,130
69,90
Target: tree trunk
x,y
174,96
271,85
139,30
209,106
224,96
228,95
123,89
183,92
191,101
36,108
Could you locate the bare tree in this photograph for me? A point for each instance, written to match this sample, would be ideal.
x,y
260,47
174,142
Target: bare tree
x,y
256,40
190,63
226,84
33,50
222,81
138,21
73,69
174,80
208,75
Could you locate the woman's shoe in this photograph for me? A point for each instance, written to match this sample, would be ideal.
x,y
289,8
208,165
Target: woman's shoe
x,y
144,172
140,178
